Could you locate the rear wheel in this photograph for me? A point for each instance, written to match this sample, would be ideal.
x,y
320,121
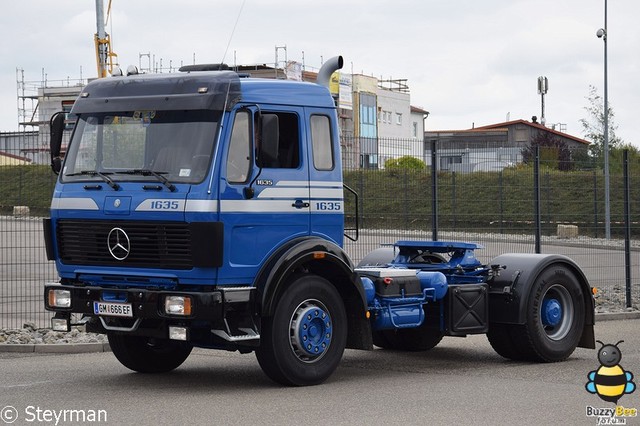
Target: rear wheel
x,y
148,355
303,342
554,320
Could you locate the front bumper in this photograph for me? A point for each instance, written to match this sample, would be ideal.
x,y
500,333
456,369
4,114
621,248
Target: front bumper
x,y
214,319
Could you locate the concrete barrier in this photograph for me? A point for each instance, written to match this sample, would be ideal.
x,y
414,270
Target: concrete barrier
x,y
567,231
21,211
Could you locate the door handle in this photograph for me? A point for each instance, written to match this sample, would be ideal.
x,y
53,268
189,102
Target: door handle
x,y
299,204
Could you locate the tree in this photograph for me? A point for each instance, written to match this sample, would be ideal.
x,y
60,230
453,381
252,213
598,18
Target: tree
x,y
554,152
593,126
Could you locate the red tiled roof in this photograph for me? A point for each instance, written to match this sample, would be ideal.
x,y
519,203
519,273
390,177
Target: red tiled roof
x,y
528,123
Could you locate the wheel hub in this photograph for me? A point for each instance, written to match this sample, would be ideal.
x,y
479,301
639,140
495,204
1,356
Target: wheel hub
x,y
551,312
311,331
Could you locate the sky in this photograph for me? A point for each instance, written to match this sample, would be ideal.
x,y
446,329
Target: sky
x,y
468,62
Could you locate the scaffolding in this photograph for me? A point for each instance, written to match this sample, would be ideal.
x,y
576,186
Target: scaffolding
x,y
394,85
31,94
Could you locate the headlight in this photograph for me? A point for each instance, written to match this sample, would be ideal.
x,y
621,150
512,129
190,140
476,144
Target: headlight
x,y
177,305
59,298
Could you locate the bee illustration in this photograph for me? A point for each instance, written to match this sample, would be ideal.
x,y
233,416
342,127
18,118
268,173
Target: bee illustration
x,y
610,381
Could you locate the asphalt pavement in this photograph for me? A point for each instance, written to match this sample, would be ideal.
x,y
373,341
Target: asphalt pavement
x,y
460,382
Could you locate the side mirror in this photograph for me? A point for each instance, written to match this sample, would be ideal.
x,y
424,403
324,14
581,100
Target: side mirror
x,y
56,129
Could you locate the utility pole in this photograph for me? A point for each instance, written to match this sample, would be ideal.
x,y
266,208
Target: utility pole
x,y
602,33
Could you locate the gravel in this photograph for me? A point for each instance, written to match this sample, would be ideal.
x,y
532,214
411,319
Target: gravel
x,y
31,334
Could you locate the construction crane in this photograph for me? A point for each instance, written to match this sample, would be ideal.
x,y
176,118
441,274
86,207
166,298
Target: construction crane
x,y
106,59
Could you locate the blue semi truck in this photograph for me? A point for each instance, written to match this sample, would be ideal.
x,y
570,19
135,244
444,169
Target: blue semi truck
x,y
206,208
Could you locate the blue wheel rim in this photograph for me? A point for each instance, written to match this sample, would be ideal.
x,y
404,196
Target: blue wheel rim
x,y
310,331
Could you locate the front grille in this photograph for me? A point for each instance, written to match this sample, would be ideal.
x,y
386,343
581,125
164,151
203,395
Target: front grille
x,y
164,245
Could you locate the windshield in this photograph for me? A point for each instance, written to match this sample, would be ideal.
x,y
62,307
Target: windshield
x,y
165,146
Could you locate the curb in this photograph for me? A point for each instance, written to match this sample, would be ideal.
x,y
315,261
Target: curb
x,y
79,348
55,348
617,316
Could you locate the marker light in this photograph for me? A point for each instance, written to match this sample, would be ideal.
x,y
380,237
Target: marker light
x,y
178,333
59,298
60,324
177,305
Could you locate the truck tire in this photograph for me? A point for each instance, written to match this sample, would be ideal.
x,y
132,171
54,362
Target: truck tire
x,y
147,355
555,315
408,339
303,342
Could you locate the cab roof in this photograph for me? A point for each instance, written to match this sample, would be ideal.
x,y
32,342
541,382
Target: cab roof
x,y
213,90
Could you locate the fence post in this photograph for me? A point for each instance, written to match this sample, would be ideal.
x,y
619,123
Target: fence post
x,y
627,227
547,190
501,192
453,200
434,192
536,199
595,204
405,204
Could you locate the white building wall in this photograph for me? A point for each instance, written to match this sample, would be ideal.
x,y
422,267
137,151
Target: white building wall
x,y
394,114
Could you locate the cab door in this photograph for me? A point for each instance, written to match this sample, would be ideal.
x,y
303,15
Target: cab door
x,y
326,191
264,188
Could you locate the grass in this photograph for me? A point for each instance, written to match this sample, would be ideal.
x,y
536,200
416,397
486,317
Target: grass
x,y
402,199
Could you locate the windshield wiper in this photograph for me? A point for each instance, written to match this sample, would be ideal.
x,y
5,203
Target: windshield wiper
x,y
104,177
147,172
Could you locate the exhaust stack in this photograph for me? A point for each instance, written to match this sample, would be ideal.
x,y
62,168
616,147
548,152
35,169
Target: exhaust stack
x,y
328,68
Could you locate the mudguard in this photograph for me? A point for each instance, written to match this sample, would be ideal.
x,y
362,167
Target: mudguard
x,y
323,258
510,290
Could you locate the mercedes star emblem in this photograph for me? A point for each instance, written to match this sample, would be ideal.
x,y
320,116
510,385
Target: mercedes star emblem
x,y
118,244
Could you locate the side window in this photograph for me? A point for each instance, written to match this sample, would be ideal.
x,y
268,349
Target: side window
x,y
280,141
321,142
239,156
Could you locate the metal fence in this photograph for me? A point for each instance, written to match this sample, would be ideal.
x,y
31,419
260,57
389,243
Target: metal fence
x,y
504,206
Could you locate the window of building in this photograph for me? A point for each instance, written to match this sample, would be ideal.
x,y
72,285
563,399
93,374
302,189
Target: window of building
x,y
447,161
415,130
368,112
398,118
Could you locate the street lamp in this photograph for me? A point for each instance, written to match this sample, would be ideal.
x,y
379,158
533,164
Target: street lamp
x,y
602,33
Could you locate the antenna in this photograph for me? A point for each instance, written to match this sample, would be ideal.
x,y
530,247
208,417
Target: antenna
x,y
543,88
232,32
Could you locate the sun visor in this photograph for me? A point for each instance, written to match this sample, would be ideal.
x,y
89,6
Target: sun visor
x,y
194,91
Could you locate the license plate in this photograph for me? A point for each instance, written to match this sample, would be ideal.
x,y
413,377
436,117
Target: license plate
x,y
113,309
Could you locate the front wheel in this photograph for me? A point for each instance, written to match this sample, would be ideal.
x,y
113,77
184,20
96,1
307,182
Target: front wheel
x,y
303,342
555,315
148,355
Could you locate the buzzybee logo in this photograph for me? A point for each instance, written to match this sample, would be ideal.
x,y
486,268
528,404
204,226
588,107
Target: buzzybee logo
x,y
610,381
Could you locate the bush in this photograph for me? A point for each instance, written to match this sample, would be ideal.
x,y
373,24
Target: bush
x,y
405,163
